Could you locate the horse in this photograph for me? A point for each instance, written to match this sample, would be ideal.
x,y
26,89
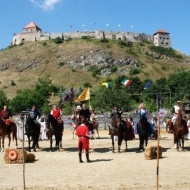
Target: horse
x,y
73,122
169,126
118,128
143,131
179,131
7,131
95,126
32,129
54,128
92,125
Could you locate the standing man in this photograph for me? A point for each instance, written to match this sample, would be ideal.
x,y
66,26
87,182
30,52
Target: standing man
x,y
82,132
85,112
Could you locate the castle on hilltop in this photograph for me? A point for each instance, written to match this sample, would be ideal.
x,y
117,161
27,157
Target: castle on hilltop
x,y
32,32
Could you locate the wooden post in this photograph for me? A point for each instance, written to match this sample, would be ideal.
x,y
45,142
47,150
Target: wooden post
x,y
158,152
23,117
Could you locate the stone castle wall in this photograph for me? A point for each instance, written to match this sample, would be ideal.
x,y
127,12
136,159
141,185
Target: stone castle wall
x,y
39,36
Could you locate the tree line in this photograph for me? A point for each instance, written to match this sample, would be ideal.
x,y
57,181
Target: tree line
x,y
161,93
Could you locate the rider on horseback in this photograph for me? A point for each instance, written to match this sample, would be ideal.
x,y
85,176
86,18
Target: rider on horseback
x,y
175,111
141,111
85,112
57,113
93,116
117,111
6,116
35,114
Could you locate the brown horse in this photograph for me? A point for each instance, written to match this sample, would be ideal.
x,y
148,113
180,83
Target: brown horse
x,y
95,125
92,125
118,128
55,128
7,131
180,130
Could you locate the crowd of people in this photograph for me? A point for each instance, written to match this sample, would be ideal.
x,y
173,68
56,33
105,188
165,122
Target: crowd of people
x,y
82,114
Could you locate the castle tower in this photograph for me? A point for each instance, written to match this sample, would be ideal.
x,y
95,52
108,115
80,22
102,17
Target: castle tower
x,y
162,38
31,27
31,32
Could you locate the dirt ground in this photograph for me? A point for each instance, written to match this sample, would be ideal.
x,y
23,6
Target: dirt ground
x,y
126,170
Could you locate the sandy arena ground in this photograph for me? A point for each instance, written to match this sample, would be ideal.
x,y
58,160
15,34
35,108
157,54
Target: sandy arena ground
x,y
126,170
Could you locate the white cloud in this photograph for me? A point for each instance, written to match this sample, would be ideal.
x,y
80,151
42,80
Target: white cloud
x,y
45,4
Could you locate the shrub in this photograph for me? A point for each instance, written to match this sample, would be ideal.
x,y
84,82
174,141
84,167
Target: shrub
x,y
134,71
44,43
57,40
13,83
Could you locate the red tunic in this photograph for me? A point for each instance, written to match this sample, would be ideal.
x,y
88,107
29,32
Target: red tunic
x,y
57,113
4,117
82,131
4,114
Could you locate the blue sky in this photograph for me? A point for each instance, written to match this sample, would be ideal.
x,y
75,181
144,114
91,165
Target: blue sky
x,y
139,16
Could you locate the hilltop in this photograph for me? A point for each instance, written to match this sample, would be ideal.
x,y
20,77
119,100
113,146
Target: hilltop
x,y
78,61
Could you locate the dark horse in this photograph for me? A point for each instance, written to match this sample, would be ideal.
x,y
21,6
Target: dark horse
x,y
91,126
180,130
32,129
118,128
55,128
7,130
143,131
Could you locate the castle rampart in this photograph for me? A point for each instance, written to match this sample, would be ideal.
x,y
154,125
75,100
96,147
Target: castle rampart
x,y
33,33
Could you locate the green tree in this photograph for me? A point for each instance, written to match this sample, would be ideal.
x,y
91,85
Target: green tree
x,y
3,99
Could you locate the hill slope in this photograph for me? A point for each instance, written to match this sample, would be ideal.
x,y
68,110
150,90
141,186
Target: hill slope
x,y
74,63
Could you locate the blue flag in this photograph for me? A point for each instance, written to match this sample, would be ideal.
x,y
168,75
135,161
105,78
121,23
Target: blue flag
x,y
147,85
106,84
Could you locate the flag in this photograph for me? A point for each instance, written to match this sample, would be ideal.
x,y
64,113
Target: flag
x,y
85,95
69,96
126,82
147,85
106,84
162,114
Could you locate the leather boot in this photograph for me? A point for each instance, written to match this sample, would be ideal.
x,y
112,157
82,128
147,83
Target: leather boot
x,y
87,157
80,157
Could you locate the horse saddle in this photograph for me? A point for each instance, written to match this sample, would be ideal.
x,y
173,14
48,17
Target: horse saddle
x,y
7,122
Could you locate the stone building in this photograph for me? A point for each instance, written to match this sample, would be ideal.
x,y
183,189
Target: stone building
x,y
162,38
32,32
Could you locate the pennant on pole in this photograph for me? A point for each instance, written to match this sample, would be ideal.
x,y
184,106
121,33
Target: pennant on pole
x,y
147,85
126,82
85,95
69,96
